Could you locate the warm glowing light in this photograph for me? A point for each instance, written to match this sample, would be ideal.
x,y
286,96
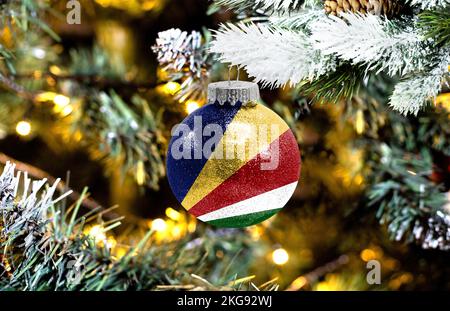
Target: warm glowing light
x,y
443,100
298,283
37,74
61,100
78,136
23,128
192,226
97,233
120,252
66,111
280,256
359,179
46,96
55,70
110,242
368,254
360,123
50,81
140,173
171,88
39,53
159,225
173,214
191,106
149,5
176,232
3,133
324,287
256,232
242,280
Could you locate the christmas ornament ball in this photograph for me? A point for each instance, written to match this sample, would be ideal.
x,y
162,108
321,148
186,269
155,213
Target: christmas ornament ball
x,y
234,162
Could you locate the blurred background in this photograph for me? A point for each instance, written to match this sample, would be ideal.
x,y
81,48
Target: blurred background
x,y
104,111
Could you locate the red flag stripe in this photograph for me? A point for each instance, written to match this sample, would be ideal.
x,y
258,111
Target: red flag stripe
x,y
250,180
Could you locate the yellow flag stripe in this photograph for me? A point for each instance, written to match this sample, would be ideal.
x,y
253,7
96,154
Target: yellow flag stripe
x,y
252,130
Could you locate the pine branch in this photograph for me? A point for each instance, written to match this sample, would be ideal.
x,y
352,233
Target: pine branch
x,y
19,17
434,130
429,4
37,173
319,272
436,25
43,246
184,57
301,20
412,93
271,55
124,135
11,85
341,84
375,42
261,5
408,202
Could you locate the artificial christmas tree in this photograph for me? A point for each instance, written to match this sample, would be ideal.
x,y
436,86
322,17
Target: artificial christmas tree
x,y
89,103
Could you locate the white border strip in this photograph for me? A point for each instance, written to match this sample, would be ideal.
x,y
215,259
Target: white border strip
x,y
270,200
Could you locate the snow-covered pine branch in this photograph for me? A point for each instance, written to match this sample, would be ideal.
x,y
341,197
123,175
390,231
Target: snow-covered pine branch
x,y
20,210
302,19
429,4
411,94
373,41
264,5
271,55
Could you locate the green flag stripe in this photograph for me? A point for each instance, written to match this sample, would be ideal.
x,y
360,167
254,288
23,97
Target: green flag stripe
x,y
243,220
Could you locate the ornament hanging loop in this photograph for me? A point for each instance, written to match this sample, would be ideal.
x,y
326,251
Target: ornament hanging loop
x,y
230,93
230,67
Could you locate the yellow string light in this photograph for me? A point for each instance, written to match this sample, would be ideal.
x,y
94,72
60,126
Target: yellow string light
x,y
443,100
134,6
45,96
23,128
97,233
298,283
159,225
173,214
192,225
374,252
140,173
61,100
256,232
191,106
176,232
120,251
55,70
171,88
37,74
66,111
360,123
110,242
367,254
280,256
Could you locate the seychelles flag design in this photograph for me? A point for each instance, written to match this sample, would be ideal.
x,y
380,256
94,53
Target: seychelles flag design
x,y
249,174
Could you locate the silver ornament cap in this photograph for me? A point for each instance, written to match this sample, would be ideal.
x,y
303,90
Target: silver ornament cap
x,y
231,92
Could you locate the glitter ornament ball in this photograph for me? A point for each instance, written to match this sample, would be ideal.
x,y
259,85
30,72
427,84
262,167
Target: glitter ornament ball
x,y
234,162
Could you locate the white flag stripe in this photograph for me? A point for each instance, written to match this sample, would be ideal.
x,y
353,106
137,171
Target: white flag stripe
x,y
273,199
